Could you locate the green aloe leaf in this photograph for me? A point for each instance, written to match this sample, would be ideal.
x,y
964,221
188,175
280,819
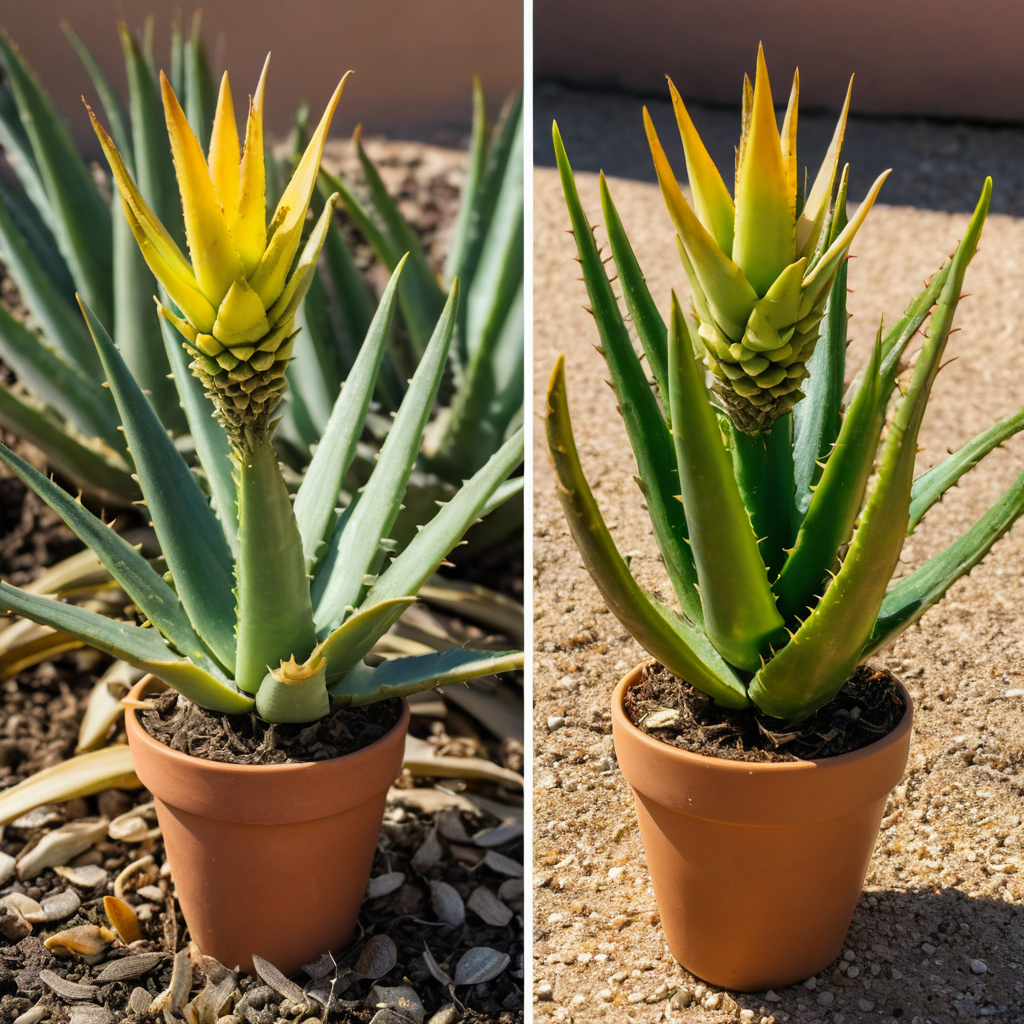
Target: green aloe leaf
x,y
645,424
80,219
200,94
191,539
402,677
136,577
458,248
151,148
684,650
916,593
740,617
650,325
318,493
29,222
60,323
143,648
315,371
351,641
18,153
930,486
809,671
391,238
57,382
341,577
839,494
116,118
275,614
818,418
425,552
84,467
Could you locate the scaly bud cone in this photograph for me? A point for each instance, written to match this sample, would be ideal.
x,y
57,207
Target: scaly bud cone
x,y
759,289
239,295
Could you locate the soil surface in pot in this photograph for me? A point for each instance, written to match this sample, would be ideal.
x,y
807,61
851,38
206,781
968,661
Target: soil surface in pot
x,y
938,934
868,707
246,739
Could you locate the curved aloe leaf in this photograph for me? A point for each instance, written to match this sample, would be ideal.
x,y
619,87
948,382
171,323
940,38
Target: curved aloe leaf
x,y
191,539
644,421
349,643
136,577
143,648
104,706
110,768
424,553
930,486
740,617
405,676
684,650
30,223
80,219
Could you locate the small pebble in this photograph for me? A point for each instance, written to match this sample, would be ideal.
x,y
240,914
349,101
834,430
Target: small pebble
x,y
825,998
853,972
555,722
811,983
33,1015
605,995
772,997
7,863
866,1005
979,966
850,955
544,991
746,1014
682,999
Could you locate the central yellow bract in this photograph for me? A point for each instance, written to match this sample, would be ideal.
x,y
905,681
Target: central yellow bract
x,y
759,270
236,297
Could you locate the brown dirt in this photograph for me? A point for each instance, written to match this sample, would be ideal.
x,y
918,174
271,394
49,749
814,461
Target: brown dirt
x,y
246,739
868,707
946,884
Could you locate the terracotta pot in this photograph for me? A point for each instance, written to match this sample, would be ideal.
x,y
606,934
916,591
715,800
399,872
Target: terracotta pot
x,y
757,868
274,859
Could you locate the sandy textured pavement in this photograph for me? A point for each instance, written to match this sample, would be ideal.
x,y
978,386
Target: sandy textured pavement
x,y
939,934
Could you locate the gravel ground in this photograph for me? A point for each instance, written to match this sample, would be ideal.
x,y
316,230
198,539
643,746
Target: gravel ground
x,y
939,934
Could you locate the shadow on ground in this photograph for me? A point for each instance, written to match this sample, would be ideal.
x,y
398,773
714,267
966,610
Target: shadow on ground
x,y
936,165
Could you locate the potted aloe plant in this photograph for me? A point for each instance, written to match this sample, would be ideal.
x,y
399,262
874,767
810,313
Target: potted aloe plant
x,y
269,607
781,556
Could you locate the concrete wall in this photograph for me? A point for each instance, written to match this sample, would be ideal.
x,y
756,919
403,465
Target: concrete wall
x,y
413,59
945,58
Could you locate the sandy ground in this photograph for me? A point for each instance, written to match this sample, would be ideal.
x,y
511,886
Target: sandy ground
x,y
939,934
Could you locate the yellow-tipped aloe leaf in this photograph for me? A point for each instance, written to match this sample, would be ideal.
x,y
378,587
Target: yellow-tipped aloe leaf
x,y
248,220
224,150
726,290
789,144
764,243
214,259
110,768
817,280
711,199
812,216
286,227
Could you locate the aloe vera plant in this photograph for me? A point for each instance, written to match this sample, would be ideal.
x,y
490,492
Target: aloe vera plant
x,y
266,604
780,555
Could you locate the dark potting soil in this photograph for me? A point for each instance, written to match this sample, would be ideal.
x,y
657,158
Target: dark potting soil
x,y
868,707
246,739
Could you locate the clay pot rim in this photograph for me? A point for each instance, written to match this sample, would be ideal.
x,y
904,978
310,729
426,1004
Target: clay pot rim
x,y
230,768
709,762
